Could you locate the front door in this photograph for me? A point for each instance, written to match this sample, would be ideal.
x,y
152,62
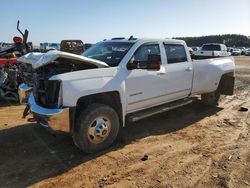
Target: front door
x,y
144,88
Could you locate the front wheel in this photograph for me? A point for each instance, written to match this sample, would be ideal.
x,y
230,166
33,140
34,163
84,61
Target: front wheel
x,y
211,98
96,128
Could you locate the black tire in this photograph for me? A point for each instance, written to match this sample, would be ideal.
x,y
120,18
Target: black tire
x,y
211,99
89,120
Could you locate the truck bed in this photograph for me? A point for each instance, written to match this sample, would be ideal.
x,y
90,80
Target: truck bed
x,y
206,73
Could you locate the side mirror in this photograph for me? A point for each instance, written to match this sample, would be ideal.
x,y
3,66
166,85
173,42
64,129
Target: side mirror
x,y
153,63
132,64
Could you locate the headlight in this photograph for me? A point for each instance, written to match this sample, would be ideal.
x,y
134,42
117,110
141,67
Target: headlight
x,y
47,93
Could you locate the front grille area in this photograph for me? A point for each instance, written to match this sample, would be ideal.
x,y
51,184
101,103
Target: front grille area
x,y
46,92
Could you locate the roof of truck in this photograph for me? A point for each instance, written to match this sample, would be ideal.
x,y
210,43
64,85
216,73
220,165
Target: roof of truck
x,y
213,44
134,40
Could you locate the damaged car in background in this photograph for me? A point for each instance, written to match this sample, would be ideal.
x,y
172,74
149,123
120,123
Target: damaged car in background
x,y
93,95
10,73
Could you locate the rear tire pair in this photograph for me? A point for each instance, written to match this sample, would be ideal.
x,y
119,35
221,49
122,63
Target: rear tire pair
x,y
97,127
211,99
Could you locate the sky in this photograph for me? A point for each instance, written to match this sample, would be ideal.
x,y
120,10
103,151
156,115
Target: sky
x,y
95,20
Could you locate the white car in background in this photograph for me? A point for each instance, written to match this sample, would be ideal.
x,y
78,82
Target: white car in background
x,y
196,48
236,51
211,50
243,50
247,52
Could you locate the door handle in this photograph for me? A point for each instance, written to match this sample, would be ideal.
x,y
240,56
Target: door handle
x,y
189,69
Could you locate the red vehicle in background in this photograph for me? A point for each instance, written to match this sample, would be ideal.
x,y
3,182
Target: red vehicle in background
x,y
19,48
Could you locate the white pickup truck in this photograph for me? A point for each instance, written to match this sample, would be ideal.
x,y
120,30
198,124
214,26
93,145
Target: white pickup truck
x,y
211,50
92,96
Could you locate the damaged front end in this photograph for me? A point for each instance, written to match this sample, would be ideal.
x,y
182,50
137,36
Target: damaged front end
x,y
38,68
46,101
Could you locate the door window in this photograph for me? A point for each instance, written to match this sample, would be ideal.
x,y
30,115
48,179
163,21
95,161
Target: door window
x,y
176,53
142,53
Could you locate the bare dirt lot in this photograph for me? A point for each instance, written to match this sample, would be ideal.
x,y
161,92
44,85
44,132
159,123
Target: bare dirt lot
x,y
194,146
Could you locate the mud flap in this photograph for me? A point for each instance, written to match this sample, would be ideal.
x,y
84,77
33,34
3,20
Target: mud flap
x,y
227,85
26,111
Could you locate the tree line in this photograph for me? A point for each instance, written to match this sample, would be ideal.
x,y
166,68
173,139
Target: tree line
x,y
230,40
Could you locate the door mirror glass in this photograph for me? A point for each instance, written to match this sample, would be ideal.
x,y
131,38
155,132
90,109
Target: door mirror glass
x,y
132,64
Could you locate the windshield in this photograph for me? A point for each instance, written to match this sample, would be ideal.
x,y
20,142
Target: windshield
x,y
211,47
108,52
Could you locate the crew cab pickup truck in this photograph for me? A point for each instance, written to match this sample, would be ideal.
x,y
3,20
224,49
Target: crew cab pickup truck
x,y
211,50
93,95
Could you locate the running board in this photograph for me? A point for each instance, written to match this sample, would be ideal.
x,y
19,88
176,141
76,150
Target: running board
x,y
136,116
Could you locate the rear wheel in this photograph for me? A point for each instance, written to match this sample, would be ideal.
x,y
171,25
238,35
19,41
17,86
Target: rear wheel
x,y
211,98
96,128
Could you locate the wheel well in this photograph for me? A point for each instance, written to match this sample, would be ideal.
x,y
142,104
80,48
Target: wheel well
x,y
226,85
111,99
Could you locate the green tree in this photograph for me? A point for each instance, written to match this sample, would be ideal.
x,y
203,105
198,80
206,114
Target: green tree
x,y
230,40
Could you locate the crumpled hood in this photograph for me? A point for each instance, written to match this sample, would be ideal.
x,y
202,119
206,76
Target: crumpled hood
x,y
41,59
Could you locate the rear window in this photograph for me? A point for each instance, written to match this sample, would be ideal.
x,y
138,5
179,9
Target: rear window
x,y
176,53
211,47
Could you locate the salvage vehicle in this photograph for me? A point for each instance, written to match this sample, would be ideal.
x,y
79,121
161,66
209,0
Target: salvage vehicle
x,y
9,66
211,50
4,45
247,51
93,96
53,46
72,46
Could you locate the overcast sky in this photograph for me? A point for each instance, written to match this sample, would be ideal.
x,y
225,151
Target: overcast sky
x,y
95,20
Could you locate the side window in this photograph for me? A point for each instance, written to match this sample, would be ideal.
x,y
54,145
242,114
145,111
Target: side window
x,y
142,53
176,53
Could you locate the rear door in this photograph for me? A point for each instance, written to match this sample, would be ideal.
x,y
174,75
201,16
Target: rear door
x,y
178,72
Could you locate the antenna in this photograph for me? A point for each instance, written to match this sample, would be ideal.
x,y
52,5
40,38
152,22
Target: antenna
x,y
131,37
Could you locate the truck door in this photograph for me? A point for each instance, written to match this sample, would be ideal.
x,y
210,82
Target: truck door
x,y
144,88
179,72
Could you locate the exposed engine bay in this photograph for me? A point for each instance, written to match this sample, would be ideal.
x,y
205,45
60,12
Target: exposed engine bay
x,y
37,68
46,91
62,65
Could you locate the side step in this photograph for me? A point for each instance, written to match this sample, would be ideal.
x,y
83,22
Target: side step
x,y
136,116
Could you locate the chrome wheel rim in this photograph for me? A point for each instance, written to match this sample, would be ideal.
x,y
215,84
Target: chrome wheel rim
x,y
99,130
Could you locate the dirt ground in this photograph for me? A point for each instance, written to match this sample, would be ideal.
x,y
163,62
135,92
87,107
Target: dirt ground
x,y
194,146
